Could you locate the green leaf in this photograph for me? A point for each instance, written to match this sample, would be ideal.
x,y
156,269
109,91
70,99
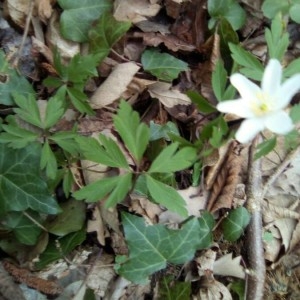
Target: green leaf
x,y
265,147
158,131
117,187
21,184
54,111
270,8
48,161
238,287
292,69
13,83
171,289
295,113
234,225
114,151
166,196
70,220
162,65
219,80
202,104
134,133
24,229
28,109
15,136
106,154
59,248
79,100
171,160
277,39
252,67
66,140
295,13
105,34
228,9
151,247
78,16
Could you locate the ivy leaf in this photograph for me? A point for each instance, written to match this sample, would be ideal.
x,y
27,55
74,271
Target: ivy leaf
x,y
23,228
78,16
170,160
70,220
265,147
166,196
116,187
21,184
251,66
234,225
66,245
105,34
152,247
13,82
228,9
134,133
171,289
162,65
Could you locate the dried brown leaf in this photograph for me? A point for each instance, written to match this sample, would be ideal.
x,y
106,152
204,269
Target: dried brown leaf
x,y
135,10
226,181
115,85
167,96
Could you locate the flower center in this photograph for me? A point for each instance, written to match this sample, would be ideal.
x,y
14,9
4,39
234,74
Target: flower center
x,y
262,104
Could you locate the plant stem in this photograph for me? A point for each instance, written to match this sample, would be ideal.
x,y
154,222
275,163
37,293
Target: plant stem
x,y
256,277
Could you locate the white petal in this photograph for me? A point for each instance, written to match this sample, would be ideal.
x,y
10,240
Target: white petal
x,y
272,77
249,129
279,122
288,89
247,89
237,107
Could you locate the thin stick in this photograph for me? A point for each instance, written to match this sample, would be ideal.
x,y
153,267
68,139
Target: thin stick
x,y
26,30
256,276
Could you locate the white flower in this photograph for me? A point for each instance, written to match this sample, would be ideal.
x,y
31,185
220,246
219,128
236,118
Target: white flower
x,y
263,107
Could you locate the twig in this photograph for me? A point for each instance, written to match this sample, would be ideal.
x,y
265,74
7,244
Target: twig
x,y
26,30
287,160
256,277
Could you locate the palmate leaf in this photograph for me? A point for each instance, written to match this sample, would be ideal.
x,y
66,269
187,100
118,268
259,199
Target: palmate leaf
x,y
116,187
170,160
108,153
21,185
166,196
162,65
151,247
134,134
48,161
28,109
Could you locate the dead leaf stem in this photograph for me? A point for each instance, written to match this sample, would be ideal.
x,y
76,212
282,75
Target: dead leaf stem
x,y
256,277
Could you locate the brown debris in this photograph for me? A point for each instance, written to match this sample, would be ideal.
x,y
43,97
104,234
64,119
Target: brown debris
x,y
22,275
226,181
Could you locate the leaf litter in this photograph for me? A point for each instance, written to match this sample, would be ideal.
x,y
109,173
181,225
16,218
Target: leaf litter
x,y
167,52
